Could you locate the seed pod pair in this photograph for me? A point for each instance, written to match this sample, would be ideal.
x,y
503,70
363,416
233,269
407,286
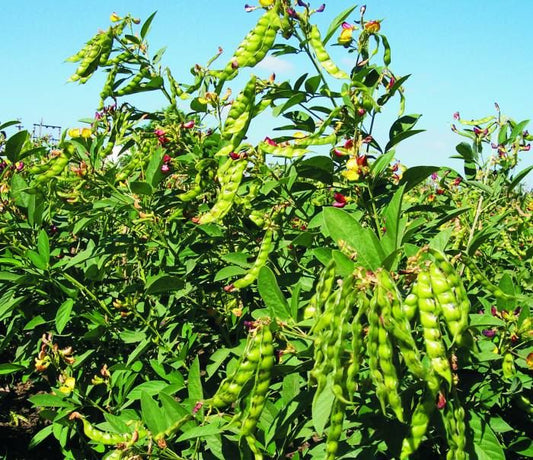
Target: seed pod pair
x,y
54,167
255,45
451,296
386,380
89,62
429,313
230,177
262,379
322,291
398,325
453,419
240,112
258,356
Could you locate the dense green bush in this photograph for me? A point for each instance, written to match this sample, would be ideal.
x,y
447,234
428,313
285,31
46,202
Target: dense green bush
x,y
200,296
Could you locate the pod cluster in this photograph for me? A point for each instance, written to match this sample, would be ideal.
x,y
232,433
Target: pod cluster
x,y
365,331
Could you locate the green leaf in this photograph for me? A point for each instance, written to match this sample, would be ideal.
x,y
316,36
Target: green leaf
x,y
507,286
382,162
63,315
173,410
151,388
229,272
141,188
19,192
194,382
350,235
344,265
153,170
15,144
152,415
43,246
319,168
202,431
9,368
146,26
271,294
40,436
297,98
37,260
132,336
391,218
402,129
517,130
401,137
335,24
48,400
469,157
321,408
312,83
163,283
36,207
518,178
413,176
486,444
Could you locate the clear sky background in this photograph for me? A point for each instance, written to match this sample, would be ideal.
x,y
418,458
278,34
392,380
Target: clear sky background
x,y
463,56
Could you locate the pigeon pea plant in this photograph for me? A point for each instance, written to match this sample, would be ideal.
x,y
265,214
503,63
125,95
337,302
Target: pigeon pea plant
x,y
206,296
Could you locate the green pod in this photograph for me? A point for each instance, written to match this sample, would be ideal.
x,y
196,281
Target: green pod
x,y
260,261
107,46
316,140
240,112
261,383
89,63
258,349
508,366
336,420
484,281
419,425
373,355
322,291
104,437
116,454
255,45
315,40
226,195
285,151
410,304
132,85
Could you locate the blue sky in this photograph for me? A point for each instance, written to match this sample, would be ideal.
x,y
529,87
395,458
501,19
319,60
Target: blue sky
x,y
462,55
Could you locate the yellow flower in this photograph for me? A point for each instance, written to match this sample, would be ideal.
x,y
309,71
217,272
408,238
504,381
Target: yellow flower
x,y
351,174
74,132
345,36
68,385
86,133
265,3
114,17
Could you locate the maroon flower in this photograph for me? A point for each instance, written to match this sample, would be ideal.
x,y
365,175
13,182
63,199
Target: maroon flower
x,y
490,333
270,141
188,124
456,116
441,401
340,200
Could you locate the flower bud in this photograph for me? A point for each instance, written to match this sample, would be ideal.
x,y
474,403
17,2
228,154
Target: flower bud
x,y
372,27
